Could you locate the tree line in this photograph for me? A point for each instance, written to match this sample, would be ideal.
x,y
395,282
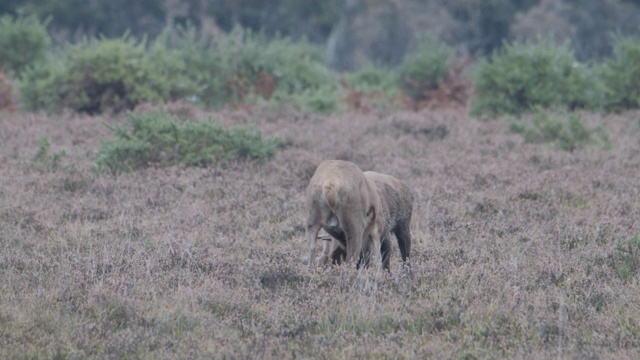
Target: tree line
x,y
353,32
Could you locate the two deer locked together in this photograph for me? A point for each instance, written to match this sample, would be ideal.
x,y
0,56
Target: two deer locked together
x,y
360,210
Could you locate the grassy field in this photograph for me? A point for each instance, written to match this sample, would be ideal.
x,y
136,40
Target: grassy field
x,y
520,250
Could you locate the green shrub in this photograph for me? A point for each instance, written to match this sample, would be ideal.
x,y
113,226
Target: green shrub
x,y
566,131
372,87
160,139
621,75
23,41
220,69
186,78
323,100
96,76
301,77
523,76
193,60
298,67
425,68
110,75
39,85
117,74
231,69
370,79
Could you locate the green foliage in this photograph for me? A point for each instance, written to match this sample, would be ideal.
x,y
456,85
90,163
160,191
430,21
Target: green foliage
x,y
523,76
626,260
298,66
232,68
110,75
566,131
323,100
370,79
425,68
621,75
186,77
23,41
39,85
96,76
160,139
45,161
191,61
372,87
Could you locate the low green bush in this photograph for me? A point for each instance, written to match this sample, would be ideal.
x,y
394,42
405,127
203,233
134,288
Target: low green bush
x,y
186,77
298,67
110,75
565,130
523,76
192,62
372,87
425,68
621,75
323,100
95,76
245,66
370,79
39,85
160,139
101,75
23,42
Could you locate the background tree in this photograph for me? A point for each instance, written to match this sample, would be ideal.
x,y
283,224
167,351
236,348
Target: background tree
x,y
353,32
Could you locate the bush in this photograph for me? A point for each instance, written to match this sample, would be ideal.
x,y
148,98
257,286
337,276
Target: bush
x,y
621,75
566,131
280,71
298,67
117,74
322,100
243,66
160,139
425,68
371,87
111,75
39,86
371,79
523,76
193,60
186,78
23,41
96,76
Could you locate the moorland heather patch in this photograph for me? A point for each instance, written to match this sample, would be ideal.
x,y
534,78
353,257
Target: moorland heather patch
x,y
521,250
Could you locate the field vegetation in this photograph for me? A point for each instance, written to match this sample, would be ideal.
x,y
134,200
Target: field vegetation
x,y
213,70
152,179
521,249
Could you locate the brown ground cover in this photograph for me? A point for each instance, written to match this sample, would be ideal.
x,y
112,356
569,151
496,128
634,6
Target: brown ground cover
x,y
515,246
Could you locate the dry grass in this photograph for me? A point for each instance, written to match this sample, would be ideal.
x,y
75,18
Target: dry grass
x,y
515,246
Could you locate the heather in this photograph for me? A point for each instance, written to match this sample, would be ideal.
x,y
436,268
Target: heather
x,y
521,248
